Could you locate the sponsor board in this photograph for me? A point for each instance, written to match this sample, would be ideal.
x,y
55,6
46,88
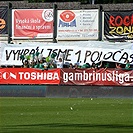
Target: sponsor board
x,y
118,25
75,24
101,76
3,20
65,76
29,76
32,23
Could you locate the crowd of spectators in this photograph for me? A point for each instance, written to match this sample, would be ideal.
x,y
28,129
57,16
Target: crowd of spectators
x,y
51,63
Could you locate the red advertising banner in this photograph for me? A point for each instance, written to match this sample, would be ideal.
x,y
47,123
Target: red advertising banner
x,y
32,23
29,76
97,77
65,76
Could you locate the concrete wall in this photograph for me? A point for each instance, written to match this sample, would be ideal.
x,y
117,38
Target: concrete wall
x,y
66,91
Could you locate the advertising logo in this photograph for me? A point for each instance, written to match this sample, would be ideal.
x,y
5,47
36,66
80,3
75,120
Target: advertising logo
x,y
47,15
7,75
67,19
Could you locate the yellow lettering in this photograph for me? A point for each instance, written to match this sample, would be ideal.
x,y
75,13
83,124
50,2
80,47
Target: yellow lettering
x,y
121,30
112,30
2,23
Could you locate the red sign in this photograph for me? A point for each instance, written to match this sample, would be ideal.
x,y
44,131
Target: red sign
x,y
29,76
109,77
33,23
101,76
67,16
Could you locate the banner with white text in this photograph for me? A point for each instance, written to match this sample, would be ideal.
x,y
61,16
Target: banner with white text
x,y
32,23
103,76
66,76
77,24
29,76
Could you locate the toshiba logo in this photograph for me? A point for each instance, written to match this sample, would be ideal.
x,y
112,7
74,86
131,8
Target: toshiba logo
x,y
7,75
38,76
29,76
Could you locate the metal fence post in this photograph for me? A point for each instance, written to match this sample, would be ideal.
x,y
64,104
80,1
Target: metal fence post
x,y
9,22
54,23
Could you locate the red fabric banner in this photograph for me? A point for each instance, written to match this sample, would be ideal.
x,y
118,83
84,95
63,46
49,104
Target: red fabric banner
x,y
111,77
65,76
29,76
33,23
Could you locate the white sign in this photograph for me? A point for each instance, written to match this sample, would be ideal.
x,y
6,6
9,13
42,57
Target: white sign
x,y
80,51
77,24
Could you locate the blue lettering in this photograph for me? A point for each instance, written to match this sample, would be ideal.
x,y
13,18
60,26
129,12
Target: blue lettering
x,y
70,24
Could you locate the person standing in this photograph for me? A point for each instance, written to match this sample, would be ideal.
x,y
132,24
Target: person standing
x,y
127,66
59,63
118,65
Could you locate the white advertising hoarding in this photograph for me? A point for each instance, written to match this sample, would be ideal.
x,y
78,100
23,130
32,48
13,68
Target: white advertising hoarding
x,y
77,24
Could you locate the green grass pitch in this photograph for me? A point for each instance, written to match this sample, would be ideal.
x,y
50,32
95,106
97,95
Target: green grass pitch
x,y
66,115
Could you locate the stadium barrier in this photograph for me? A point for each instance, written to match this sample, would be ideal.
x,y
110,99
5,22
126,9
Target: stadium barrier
x,y
23,90
66,91
65,76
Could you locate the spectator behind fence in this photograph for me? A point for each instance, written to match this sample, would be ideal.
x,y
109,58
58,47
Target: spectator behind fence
x,y
96,65
99,64
118,65
70,65
76,65
32,64
93,66
127,65
86,65
45,65
59,63
51,65
107,65
26,64
41,66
